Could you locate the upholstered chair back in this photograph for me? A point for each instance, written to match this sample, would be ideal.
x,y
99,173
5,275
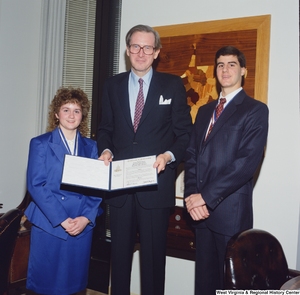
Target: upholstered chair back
x,y
255,261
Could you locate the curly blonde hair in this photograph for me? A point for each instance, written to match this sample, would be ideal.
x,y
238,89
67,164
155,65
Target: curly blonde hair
x,y
69,95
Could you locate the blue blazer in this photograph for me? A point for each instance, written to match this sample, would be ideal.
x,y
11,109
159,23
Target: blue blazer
x,y
51,205
222,167
163,127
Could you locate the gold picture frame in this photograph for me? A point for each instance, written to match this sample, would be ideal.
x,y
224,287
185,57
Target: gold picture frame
x,y
177,41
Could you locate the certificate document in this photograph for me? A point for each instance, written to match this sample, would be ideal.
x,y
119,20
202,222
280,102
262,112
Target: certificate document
x,y
122,174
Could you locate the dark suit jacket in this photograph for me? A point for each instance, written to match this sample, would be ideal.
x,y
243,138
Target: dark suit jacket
x,y
163,127
222,167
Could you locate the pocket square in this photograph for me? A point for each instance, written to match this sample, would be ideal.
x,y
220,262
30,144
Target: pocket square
x,y
164,101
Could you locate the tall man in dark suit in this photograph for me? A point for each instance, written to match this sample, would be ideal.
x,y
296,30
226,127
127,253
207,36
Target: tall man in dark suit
x,y
163,130
221,159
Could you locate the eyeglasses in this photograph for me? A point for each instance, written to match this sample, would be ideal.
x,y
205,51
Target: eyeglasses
x,y
147,49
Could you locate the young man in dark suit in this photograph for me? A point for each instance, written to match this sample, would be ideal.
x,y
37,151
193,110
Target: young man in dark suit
x,y
223,155
162,130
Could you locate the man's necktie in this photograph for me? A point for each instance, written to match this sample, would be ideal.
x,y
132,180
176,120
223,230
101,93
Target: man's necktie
x,y
138,106
217,112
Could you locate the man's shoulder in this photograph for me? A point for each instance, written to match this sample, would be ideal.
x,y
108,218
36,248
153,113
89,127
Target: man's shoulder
x,y
210,105
246,99
167,76
118,77
255,102
167,80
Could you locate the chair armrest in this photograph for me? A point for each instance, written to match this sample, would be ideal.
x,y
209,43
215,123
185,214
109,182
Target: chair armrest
x,y
293,273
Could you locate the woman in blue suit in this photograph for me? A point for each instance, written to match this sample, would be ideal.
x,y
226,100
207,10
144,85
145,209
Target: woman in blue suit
x,y
62,221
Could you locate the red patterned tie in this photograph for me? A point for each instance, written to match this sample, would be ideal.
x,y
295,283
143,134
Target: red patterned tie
x,y
218,110
138,106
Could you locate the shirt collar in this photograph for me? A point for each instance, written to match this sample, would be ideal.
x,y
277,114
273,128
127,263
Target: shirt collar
x,y
230,96
146,78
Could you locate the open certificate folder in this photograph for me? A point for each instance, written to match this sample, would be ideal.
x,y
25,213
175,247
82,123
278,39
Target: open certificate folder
x,y
94,174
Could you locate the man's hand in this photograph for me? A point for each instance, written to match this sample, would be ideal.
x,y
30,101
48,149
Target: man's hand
x,y
196,206
106,156
161,162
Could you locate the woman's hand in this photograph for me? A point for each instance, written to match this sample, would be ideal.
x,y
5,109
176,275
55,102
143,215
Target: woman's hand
x,y
75,226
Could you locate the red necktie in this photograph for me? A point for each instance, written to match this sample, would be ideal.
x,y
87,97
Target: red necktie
x,y
138,106
217,112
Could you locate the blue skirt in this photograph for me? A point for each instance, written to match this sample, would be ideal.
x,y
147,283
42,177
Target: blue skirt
x,y
57,266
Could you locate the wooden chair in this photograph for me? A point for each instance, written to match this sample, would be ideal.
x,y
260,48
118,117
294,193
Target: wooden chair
x,y
255,261
19,260
9,226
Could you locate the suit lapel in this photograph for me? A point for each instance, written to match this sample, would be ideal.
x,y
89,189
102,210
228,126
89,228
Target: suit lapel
x,y
84,149
206,117
226,114
155,89
59,149
57,145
